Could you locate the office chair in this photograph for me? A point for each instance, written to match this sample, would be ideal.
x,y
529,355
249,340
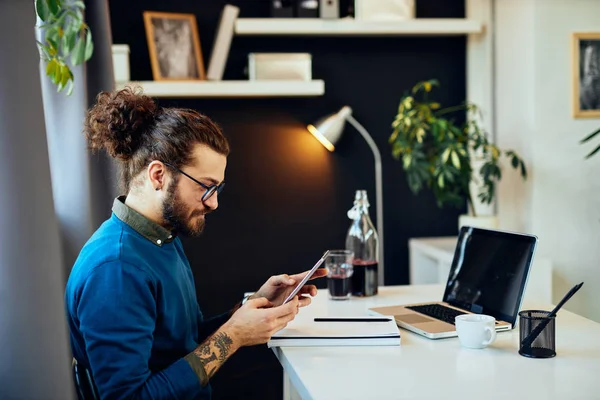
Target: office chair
x,y
84,384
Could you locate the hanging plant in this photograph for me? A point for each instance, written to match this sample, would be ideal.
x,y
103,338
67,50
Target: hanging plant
x,y
66,38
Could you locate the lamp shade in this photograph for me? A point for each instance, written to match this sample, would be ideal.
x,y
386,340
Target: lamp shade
x,y
328,130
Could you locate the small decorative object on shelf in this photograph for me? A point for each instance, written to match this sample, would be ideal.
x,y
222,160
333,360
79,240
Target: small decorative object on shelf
x,y
174,46
329,9
307,8
222,43
282,8
120,53
282,66
384,10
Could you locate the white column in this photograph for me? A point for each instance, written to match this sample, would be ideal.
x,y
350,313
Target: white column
x,y
34,359
480,80
514,66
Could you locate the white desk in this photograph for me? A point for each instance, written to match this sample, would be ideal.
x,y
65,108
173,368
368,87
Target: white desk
x,y
440,369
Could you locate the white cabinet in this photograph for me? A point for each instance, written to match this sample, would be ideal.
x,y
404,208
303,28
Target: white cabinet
x,y
431,258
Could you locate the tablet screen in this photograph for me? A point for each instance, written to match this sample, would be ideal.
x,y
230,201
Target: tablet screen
x,y
306,277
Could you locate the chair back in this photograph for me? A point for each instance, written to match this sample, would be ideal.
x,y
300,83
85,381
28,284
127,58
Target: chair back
x,y
84,384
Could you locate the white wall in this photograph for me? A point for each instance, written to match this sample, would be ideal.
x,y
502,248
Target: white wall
x,y
560,202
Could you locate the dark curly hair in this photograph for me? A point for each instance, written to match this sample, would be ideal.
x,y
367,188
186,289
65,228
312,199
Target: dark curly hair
x,y
133,129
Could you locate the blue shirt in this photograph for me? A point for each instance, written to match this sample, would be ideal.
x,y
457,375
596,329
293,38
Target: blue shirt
x,y
133,314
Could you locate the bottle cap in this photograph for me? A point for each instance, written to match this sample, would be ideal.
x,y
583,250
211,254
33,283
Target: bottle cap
x,y
361,197
360,200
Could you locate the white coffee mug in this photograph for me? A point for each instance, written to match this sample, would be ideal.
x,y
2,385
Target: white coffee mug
x,y
475,331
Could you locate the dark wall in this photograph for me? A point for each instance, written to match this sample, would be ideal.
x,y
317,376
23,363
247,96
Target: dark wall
x,y
286,196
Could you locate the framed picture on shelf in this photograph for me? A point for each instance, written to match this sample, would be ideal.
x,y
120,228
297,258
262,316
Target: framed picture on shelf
x,y
174,46
586,74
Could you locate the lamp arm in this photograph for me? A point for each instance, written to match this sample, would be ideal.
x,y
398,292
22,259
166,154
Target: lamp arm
x,y
378,191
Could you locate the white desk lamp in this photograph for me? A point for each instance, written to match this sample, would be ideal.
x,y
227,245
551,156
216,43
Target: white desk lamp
x,y
328,131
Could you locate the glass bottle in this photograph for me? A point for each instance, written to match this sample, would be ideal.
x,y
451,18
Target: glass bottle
x,y
363,240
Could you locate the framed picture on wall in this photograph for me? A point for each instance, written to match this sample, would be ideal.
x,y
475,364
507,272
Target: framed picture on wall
x,y
586,74
174,46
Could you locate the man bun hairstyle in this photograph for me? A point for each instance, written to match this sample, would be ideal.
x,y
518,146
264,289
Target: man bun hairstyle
x,y
118,121
135,130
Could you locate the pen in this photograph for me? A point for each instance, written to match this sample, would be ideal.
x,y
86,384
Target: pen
x,y
352,319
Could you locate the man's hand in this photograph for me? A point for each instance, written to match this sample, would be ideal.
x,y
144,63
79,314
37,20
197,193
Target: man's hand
x,y
257,320
253,323
278,287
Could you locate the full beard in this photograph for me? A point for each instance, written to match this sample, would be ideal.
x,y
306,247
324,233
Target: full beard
x,y
176,216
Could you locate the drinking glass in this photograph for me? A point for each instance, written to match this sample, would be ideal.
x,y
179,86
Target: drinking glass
x,y
339,271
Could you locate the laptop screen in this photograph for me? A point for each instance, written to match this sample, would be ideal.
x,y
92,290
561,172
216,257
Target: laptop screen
x,y
489,272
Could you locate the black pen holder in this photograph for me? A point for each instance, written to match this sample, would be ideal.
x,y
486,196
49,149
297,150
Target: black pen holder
x,y
543,346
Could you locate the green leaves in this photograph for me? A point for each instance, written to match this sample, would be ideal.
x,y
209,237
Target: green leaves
x,y
66,37
69,39
445,155
517,163
89,46
59,74
455,160
437,153
41,8
588,138
54,6
78,54
425,86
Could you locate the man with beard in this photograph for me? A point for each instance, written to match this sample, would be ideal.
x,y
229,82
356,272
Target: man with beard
x,y
135,326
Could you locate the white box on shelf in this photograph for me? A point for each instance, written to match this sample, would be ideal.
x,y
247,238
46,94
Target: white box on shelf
x,y
120,56
280,66
384,10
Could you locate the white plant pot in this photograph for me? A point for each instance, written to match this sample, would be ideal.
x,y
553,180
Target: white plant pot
x,y
484,221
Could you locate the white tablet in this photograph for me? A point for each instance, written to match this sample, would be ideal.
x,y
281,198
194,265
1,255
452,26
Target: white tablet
x,y
306,277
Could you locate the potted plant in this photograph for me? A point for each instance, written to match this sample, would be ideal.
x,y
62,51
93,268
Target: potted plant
x,y
445,156
65,36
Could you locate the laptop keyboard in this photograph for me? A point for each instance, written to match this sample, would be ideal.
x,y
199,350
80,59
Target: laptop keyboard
x,y
437,311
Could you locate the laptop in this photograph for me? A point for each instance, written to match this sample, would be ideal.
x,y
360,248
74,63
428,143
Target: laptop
x,y
488,275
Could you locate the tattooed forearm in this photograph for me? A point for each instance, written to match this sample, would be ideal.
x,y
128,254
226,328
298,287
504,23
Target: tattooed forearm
x,y
223,342
207,358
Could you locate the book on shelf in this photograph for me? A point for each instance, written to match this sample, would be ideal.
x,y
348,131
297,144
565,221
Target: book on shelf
x,y
222,43
342,331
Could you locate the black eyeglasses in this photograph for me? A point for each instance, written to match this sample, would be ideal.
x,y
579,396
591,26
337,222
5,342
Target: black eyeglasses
x,y
210,190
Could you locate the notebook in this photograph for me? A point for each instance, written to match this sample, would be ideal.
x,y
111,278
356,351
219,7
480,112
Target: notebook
x,y
344,331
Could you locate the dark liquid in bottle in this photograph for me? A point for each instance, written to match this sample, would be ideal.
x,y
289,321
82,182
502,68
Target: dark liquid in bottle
x,y
338,286
364,278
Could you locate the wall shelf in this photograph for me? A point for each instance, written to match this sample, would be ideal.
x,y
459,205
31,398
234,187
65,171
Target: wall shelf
x,y
351,27
190,89
302,26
